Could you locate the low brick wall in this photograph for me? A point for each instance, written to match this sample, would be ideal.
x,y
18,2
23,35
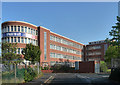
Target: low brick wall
x,y
47,71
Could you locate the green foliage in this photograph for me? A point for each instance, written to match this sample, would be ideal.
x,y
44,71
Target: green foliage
x,y
20,73
32,53
29,74
103,66
115,33
8,53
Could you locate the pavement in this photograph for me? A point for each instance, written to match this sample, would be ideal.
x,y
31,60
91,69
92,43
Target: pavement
x,y
73,79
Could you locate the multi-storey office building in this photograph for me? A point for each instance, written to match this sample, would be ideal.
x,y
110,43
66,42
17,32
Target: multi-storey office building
x,y
95,50
54,47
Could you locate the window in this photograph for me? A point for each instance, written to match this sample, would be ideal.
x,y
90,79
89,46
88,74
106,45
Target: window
x,y
45,45
8,39
21,50
34,32
11,39
5,29
22,40
18,28
8,29
15,28
18,50
51,46
15,39
28,40
22,29
33,42
11,28
26,29
18,39
25,40
31,31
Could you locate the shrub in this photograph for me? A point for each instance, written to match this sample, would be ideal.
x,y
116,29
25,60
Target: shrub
x,y
103,66
29,74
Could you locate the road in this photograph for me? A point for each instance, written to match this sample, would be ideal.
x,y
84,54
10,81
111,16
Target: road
x,y
80,79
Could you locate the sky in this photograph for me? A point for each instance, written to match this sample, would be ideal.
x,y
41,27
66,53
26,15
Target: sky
x,y
81,21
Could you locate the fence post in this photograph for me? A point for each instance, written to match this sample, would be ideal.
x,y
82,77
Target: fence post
x,y
15,72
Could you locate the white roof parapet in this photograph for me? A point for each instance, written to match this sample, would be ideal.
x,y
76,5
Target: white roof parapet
x,y
21,22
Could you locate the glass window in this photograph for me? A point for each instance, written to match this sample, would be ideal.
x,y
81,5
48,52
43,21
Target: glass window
x,y
15,28
18,28
22,29
21,50
18,39
11,28
8,39
34,42
8,29
26,29
25,40
22,40
45,45
11,39
34,32
31,31
18,50
31,41
28,40
15,39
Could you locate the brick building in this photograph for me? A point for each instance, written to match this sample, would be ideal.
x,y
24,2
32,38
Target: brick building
x,y
95,50
54,47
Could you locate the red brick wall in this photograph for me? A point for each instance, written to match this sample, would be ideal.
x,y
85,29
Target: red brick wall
x,y
87,67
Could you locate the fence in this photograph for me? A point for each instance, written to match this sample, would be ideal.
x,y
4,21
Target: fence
x,y
115,63
12,74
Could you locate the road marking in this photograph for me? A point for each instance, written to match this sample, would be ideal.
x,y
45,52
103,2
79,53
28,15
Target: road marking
x,y
105,76
50,78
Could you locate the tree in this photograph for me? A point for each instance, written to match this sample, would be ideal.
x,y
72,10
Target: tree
x,y
111,52
114,42
9,55
32,53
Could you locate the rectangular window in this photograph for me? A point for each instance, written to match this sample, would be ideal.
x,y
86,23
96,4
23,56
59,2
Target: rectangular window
x,y
11,39
8,39
18,39
34,32
15,39
28,40
18,28
22,40
12,28
26,29
15,28
8,29
31,31
45,45
25,40
22,29
18,50
21,50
